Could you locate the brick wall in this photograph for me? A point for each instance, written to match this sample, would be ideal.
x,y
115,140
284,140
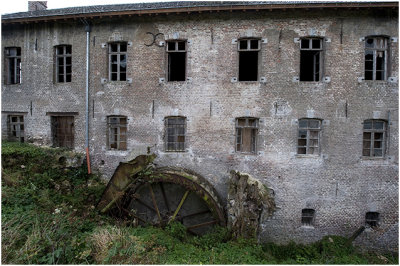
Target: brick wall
x,y
339,184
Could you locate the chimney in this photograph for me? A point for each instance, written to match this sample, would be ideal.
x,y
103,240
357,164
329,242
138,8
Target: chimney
x,y
37,5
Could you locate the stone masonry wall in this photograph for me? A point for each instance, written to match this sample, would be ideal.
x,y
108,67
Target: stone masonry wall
x,y
339,184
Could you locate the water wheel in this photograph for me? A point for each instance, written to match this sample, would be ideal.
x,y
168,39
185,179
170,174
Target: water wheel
x,y
172,195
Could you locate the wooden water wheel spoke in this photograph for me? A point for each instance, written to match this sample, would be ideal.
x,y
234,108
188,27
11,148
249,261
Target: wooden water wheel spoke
x,y
202,224
153,198
164,197
196,213
179,206
146,205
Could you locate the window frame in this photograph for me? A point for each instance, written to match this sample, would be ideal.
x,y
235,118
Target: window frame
x,y
169,55
119,54
372,138
375,50
248,49
307,217
177,147
121,137
64,56
239,134
16,127
321,53
308,130
372,219
16,61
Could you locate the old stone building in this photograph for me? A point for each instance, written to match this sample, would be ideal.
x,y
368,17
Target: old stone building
x,y
302,96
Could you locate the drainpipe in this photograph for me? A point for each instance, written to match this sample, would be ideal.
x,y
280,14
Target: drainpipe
x,y
87,29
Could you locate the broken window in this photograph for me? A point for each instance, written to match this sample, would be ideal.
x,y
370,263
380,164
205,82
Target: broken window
x,y
16,128
374,138
311,59
63,63
372,219
117,53
376,53
175,131
246,134
62,131
13,64
117,128
176,51
307,217
248,59
308,137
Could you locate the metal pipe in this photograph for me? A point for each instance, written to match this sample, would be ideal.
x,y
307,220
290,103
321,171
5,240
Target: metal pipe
x,y
87,29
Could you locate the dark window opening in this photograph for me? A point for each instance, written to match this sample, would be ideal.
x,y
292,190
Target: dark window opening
x,y
13,58
176,60
64,63
308,136
16,130
62,131
372,219
376,58
307,217
248,59
117,61
246,134
310,59
117,129
175,132
374,138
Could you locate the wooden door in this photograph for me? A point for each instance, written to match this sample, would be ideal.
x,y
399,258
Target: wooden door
x,y
63,131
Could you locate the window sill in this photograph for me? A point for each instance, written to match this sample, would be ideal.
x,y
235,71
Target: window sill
x,y
370,158
307,227
246,153
315,156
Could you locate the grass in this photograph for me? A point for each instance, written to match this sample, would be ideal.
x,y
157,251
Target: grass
x,y
48,217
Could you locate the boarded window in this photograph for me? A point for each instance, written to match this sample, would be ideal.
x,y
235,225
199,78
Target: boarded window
x,y
246,134
374,138
175,133
16,129
376,58
13,65
307,217
176,51
248,59
117,58
308,136
62,130
372,219
117,129
63,63
311,59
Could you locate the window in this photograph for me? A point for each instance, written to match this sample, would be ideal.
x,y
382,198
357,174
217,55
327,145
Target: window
x,y
374,138
376,53
175,131
62,131
372,219
13,59
117,61
63,63
311,59
246,134
248,59
176,51
117,128
308,138
16,128
307,217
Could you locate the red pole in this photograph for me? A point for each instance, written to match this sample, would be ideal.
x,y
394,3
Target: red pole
x,y
88,160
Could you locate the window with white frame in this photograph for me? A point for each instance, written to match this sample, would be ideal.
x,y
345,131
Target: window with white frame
x,y
248,59
117,53
117,129
176,51
13,65
308,138
311,58
63,63
376,58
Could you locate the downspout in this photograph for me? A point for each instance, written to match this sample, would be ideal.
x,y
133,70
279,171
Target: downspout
x,y
87,29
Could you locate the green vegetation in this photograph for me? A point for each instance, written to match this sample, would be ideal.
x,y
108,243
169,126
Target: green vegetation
x,y
48,217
